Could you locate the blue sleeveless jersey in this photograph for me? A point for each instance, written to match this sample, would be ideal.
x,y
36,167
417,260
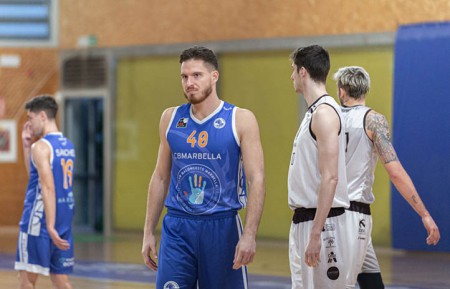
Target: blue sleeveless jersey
x,y
62,163
207,174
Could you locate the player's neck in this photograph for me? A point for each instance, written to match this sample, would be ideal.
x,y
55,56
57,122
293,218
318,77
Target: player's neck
x,y
314,92
50,127
206,107
348,101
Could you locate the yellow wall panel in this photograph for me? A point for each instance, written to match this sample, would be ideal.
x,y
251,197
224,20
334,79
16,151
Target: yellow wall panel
x,y
261,83
145,87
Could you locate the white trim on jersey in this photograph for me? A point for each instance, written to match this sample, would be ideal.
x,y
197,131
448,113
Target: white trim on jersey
x,y
49,144
233,120
31,156
174,112
208,117
37,213
51,151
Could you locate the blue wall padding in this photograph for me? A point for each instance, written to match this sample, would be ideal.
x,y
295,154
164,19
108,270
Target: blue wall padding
x,y
421,130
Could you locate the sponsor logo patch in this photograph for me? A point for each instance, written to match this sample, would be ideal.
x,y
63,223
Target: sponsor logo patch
x,y
219,123
362,226
182,122
332,258
328,227
330,243
333,273
171,285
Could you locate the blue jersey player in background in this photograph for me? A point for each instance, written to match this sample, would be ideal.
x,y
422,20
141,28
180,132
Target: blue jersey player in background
x,y
205,145
45,244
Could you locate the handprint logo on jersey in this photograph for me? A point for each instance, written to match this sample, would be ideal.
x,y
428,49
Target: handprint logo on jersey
x,y
197,190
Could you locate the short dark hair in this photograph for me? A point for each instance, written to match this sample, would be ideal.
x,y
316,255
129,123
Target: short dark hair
x,y
315,59
200,53
44,103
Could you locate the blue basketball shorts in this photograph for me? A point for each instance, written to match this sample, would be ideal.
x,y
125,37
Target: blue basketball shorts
x,y
199,251
38,254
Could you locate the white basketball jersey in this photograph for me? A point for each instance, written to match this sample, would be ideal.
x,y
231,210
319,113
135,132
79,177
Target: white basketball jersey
x,y
361,157
304,175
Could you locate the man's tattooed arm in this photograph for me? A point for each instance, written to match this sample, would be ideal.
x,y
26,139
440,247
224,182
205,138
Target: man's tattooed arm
x,y
378,128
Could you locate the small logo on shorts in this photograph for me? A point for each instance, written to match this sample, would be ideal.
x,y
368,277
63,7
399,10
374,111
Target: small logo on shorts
x,y
362,226
328,227
362,223
66,262
330,242
332,273
171,285
332,257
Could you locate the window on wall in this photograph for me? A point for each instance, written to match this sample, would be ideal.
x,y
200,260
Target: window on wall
x,y
27,22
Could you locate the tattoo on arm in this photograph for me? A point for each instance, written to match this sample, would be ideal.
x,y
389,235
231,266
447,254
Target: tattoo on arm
x,y
414,199
377,123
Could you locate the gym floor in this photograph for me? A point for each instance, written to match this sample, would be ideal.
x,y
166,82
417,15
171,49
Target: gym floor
x,y
115,263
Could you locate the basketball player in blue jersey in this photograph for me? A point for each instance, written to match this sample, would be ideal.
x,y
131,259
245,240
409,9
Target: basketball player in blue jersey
x,y
368,139
45,244
317,187
205,147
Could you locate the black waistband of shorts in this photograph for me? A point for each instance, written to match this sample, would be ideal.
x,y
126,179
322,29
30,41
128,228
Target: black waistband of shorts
x,y
307,214
219,215
359,207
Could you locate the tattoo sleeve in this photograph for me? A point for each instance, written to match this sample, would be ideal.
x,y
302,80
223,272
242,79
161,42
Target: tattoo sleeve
x,y
377,123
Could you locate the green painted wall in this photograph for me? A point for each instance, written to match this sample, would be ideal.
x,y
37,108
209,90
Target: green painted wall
x,y
145,87
261,83
257,81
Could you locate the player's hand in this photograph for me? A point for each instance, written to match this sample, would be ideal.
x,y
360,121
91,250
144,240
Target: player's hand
x,y
149,252
27,135
56,239
245,251
312,252
432,230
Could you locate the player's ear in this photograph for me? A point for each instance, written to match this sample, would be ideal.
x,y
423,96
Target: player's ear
x,y
340,92
42,115
215,76
301,71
